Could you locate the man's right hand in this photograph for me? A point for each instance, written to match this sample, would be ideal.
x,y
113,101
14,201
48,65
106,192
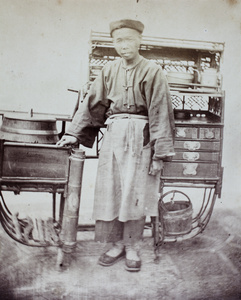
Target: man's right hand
x,y
67,140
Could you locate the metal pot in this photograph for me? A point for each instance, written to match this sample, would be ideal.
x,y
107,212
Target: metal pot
x,y
182,115
31,130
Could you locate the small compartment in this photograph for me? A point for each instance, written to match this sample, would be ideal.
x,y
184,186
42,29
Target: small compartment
x,y
186,132
197,145
188,169
190,156
209,133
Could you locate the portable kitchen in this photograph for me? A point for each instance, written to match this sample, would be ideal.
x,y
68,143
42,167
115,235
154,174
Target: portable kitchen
x,y
193,70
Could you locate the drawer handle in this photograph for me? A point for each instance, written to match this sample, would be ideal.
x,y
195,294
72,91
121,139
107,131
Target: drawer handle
x,y
192,145
191,156
190,169
209,134
180,132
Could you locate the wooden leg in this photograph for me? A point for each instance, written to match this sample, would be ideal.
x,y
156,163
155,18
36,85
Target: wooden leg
x,y
61,208
156,237
54,207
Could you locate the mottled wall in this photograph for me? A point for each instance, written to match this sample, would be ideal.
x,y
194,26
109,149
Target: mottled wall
x,y
44,51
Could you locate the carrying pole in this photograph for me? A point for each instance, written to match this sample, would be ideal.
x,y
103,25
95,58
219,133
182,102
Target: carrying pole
x,y
72,203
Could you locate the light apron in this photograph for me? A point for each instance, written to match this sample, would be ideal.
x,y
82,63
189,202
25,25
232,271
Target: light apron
x,y
124,189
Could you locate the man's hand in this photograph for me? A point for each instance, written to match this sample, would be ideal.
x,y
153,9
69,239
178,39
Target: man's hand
x,y
156,166
67,140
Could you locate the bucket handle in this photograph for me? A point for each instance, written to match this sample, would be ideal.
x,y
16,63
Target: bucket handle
x,y
162,204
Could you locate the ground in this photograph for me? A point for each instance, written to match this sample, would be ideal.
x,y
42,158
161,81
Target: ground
x,y
207,266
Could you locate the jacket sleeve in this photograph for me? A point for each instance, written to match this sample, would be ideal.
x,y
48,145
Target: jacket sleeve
x,y
90,115
161,117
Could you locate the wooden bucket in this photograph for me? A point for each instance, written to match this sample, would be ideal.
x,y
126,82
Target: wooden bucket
x,y
176,215
31,130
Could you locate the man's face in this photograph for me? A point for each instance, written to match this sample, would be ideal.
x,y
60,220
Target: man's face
x,y
127,42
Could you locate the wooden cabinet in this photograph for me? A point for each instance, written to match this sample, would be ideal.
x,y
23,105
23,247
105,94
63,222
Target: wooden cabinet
x,y
198,149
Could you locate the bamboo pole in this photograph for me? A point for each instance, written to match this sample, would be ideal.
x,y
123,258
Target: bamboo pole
x,y
72,203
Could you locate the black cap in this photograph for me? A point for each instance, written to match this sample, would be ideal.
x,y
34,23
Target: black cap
x,y
126,23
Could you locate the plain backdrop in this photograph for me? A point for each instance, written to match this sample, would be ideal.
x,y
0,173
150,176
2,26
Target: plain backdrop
x,y
44,46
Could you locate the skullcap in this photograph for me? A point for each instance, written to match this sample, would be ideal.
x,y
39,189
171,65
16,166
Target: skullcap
x,y
126,23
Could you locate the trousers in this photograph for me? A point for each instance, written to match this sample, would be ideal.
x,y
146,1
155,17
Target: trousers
x,y
129,232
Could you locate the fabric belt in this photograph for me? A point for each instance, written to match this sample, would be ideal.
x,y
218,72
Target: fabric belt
x,y
131,139
127,116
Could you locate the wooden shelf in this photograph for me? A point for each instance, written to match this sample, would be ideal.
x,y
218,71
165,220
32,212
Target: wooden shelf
x,y
100,39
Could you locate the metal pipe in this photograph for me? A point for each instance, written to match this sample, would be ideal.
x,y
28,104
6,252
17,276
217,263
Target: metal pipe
x,y
72,202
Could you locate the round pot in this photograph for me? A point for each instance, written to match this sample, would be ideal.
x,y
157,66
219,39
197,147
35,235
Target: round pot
x,y
182,115
31,130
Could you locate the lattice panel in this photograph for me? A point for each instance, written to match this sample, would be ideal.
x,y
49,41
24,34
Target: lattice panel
x,y
196,102
96,64
177,102
101,61
190,102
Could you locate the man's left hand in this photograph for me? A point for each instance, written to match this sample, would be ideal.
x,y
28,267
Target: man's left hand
x,y
156,166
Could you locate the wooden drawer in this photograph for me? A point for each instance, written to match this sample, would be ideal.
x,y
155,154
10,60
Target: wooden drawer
x,y
190,156
198,145
195,170
208,133
186,132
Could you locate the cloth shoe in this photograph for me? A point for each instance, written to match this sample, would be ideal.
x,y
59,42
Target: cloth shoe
x,y
133,261
112,256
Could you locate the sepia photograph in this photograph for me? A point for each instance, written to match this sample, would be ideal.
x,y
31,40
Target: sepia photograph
x,y
120,149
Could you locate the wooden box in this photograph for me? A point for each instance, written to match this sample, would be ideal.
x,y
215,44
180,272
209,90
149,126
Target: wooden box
x,y
33,162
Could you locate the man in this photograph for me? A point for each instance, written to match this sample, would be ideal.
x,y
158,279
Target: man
x,y
131,97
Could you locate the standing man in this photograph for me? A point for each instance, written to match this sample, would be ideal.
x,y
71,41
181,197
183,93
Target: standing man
x,y
131,96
